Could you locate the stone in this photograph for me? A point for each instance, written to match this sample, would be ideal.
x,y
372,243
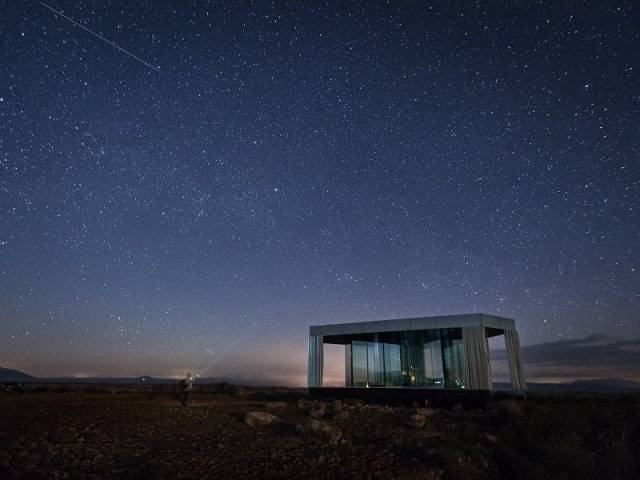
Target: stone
x,y
512,408
342,416
275,405
330,431
490,438
434,475
318,404
415,421
259,418
425,412
337,406
386,409
318,409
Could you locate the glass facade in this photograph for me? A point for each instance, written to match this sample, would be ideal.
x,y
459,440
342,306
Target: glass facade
x,y
421,359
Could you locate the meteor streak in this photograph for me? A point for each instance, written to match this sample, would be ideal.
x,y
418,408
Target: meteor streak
x,y
101,37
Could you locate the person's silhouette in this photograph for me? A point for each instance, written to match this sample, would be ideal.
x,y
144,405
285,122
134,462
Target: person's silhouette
x,y
185,387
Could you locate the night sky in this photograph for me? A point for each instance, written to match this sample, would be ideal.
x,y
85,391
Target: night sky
x,y
261,167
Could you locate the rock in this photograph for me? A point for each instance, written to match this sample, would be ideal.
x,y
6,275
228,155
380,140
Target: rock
x,y
425,412
333,433
337,406
303,404
342,416
434,475
275,405
259,418
490,438
318,404
415,421
385,409
318,409
512,408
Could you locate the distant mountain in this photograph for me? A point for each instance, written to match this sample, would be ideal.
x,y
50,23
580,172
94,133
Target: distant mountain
x,y
9,375
148,380
596,385
606,384
143,380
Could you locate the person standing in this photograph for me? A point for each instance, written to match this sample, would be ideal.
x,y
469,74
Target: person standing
x,y
185,387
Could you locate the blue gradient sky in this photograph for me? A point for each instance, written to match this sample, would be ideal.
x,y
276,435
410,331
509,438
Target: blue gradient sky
x,y
309,162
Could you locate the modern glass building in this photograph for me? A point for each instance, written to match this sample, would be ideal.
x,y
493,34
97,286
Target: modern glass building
x,y
447,352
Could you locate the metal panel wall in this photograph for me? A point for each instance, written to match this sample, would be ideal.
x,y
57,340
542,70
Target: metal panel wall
x,y
348,382
316,361
418,323
512,342
477,368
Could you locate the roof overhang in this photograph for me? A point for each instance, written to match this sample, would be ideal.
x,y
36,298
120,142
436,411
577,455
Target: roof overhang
x,y
418,323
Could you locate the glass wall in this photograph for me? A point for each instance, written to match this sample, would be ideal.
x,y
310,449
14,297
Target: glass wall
x,y
421,359
359,364
375,363
432,352
452,357
392,377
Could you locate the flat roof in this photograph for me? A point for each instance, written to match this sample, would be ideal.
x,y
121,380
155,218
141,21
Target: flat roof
x,y
417,323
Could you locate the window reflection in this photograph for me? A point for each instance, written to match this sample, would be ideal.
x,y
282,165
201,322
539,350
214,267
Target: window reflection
x,y
421,359
359,363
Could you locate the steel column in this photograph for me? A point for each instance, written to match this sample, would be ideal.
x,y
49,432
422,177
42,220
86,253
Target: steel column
x,y
477,369
315,362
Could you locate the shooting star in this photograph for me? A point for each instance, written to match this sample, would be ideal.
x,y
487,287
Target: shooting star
x,y
101,37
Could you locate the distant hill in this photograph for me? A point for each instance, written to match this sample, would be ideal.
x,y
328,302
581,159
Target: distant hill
x,y
596,385
9,375
143,380
148,380
605,385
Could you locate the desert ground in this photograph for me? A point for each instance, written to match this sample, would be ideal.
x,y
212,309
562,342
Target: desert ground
x,y
130,433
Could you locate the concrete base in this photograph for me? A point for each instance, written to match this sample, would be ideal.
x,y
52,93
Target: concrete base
x,y
439,398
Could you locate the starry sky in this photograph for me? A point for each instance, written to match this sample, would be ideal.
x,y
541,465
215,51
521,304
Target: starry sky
x,y
197,187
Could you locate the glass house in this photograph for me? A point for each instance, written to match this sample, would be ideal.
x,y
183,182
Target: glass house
x,y
446,352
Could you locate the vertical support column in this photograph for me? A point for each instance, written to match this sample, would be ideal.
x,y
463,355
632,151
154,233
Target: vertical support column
x,y
348,381
315,362
477,369
512,343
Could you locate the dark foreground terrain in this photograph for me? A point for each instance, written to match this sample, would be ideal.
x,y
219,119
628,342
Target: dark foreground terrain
x,y
108,433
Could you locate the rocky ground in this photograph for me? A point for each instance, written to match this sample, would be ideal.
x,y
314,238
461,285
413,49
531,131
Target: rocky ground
x,y
269,435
